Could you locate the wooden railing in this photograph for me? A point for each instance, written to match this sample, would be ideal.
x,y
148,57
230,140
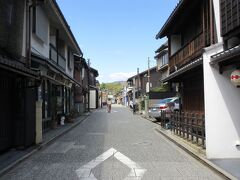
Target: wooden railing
x,y
190,126
61,62
187,52
56,58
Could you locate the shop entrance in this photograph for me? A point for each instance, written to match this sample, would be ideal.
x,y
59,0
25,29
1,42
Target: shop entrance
x,y
17,111
6,115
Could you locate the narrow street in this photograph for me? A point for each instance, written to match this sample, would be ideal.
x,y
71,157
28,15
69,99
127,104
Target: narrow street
x,y
116,146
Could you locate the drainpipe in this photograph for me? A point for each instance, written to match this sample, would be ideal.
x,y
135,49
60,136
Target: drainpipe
x,y
28,33
211,22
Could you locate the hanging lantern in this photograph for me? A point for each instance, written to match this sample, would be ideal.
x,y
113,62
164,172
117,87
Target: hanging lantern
x,y
235,78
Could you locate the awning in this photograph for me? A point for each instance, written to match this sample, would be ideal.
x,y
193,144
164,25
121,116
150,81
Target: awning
x,y
56,69
225,55
184,69
17,67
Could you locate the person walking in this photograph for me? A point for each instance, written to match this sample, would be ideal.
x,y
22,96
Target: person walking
x,y
109,105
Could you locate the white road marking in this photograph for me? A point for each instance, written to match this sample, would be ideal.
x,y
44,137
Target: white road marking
x,y
85,172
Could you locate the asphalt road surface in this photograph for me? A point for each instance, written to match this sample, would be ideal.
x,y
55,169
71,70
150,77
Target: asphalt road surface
x,y
111,146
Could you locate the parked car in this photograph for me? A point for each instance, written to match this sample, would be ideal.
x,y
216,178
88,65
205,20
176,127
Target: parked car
x,y
168,104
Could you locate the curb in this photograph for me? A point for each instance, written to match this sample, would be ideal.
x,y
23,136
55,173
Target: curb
x,y
203,160
39,147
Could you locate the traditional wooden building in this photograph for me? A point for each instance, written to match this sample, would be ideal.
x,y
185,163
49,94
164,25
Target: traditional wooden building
x,y
189,30
204,61
81,70
162,61
52,48
93,89
141,85
18,82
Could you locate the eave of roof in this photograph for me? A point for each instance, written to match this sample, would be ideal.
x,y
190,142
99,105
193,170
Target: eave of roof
x,y
185,68
225,55
48,63
161,53
80,59
144,72
66,24
17,67
160,34
94,71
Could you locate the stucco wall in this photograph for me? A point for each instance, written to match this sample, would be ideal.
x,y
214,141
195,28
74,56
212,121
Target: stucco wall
x,y
69,70
39,46
222,103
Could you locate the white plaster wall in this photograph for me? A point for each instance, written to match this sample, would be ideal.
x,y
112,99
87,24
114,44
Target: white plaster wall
x,y
69,71
38,46
93,97
222,110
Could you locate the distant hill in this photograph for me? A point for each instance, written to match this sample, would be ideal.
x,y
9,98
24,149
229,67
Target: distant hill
x,y
113,87
120,82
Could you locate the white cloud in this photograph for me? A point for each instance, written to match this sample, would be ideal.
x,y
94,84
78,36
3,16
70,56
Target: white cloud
x,y
121,76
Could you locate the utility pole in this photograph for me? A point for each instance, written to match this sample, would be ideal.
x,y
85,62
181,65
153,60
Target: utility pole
x,y
134,99
88,85
138,77
148,74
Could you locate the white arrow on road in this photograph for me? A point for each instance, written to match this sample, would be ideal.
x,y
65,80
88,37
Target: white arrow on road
x,y
85,172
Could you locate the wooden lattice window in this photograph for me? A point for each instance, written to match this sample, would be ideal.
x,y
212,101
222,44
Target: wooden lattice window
x,y
230,15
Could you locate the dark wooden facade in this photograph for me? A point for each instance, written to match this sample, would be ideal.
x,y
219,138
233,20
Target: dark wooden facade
x,y
193,92
18,83
81,75
230,17
230,31
142,79
195,34
190,28
188,52
192,23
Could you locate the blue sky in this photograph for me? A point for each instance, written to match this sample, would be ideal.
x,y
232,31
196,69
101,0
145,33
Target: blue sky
x,y
117,36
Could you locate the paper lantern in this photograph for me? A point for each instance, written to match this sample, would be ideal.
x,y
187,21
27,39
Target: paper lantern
x,y
235,78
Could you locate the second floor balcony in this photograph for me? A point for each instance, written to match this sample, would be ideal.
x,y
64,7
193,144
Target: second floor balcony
x,y
57,58
191,50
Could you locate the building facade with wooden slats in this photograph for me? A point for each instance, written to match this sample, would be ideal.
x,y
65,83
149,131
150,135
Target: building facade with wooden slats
x,y
18,82
52,53
204,39
81,92
189,31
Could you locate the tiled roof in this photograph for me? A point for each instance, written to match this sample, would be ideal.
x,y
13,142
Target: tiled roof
x,y
18,67
227,54
162,47
141,73
185,68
